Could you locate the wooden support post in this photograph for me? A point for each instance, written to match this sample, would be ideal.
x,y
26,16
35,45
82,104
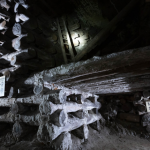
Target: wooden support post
x,y
3,25
21,56
23,41
6,102
18,29
5,15
96,126
57,96
59,118
63,142
32,120
79,114
4,4
20,130
82,132
19,108
7,117
47,107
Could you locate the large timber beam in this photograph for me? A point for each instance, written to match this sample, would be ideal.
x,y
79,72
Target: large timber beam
x,y
126,71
